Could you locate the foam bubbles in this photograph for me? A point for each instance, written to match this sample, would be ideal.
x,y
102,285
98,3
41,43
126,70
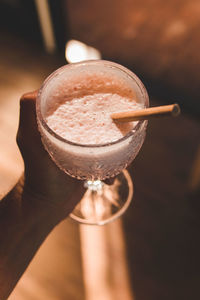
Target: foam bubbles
x,y
87,120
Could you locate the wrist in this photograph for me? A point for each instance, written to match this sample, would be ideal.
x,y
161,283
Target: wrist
x,y
43,208
39,205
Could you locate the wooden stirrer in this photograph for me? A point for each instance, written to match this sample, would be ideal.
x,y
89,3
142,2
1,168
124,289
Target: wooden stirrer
x,y
147,113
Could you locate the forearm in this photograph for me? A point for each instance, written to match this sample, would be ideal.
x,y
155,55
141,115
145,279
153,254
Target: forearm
x,y
24,224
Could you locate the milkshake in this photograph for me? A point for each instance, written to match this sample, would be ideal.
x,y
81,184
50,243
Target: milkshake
x,y
74,107
86,119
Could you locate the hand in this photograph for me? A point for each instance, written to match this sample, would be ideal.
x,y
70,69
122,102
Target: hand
x,y
43,179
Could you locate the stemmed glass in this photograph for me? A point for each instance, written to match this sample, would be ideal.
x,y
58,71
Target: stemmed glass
x,y
93,163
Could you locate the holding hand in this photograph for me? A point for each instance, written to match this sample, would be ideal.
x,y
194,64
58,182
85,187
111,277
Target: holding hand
x,y
43,179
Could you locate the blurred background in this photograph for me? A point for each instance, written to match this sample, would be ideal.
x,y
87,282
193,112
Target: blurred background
x,y
152,252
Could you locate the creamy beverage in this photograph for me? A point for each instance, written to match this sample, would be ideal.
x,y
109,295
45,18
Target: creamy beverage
x,y
73,109
86,119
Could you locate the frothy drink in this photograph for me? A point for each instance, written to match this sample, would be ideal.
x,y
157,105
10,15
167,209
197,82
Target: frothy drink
x,y
87,120
85,117
76,103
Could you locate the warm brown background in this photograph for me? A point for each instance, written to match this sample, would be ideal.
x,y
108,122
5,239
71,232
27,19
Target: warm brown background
x,y
160,40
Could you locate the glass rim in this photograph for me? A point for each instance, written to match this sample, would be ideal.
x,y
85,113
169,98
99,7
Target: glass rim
x,y
110,64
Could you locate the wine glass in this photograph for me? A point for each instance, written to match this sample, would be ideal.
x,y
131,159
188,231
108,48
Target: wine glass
x,y
93,163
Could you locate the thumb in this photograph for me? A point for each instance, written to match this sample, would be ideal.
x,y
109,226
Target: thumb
x,y
27,123
27,108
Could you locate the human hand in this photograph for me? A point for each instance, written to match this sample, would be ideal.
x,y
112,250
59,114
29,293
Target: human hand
x,y
43,179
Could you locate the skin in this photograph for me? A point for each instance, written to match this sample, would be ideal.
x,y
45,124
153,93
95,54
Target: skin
x,y
42,198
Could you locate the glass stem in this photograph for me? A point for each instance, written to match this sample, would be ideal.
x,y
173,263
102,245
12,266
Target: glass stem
x,y
93,185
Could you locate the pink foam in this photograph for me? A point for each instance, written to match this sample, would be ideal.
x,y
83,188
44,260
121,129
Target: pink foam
x,y
86,119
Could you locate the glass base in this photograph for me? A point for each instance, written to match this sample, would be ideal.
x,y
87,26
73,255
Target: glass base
x,y
104,203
